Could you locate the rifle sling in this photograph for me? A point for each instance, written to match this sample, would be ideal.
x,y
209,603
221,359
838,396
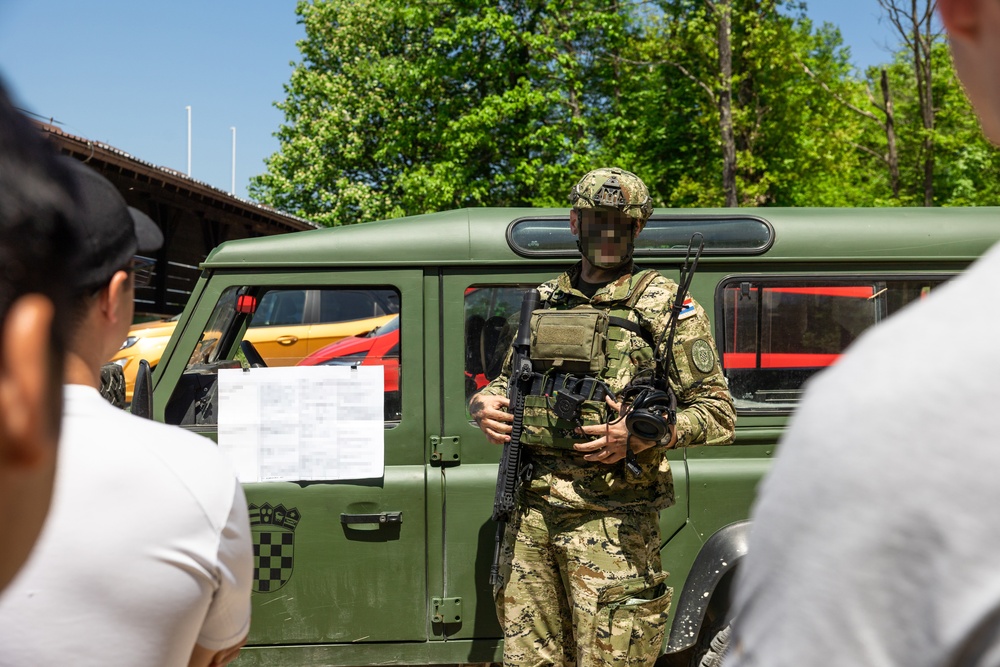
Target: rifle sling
x,y
635,328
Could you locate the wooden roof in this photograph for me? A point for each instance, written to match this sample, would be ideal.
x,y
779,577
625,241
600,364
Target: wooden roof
x,y
195,217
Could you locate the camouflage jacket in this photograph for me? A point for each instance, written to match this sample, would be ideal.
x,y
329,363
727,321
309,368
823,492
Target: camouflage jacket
x,y
705,414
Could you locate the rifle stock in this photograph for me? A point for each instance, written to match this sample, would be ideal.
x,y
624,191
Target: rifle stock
x,y
509,473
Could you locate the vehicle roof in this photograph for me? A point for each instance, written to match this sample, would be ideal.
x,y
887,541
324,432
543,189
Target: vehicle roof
x,y
477,235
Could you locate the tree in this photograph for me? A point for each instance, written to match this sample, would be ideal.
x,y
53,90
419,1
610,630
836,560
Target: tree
x,y
918,127
885,119
966,164
401,109
789,143
914,22
963,162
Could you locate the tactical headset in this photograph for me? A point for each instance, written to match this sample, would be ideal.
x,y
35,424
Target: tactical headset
x,y
650,405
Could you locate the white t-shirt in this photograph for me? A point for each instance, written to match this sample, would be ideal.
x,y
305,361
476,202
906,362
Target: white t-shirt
x,y
146,550
876,536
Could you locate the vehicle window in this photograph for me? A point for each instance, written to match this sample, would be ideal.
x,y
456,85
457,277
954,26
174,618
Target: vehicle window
x,y
206,351
491,314
663,235
777,334
280,307
380,347
366,333
338,307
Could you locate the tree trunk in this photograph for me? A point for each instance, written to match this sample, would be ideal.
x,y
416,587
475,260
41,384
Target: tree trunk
x,y
726,106
922,63
914,21
892,153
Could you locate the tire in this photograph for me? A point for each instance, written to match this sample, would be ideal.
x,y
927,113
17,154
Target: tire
x,y
716,629
113,385
717,649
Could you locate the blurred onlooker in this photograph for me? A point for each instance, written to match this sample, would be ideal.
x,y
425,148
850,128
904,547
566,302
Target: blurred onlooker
x,y
35,283
146,558
875,537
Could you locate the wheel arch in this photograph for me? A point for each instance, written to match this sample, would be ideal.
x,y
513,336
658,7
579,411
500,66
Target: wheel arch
x,y
712,571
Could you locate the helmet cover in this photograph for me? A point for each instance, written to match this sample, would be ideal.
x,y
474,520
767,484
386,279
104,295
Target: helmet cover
x,y
614,188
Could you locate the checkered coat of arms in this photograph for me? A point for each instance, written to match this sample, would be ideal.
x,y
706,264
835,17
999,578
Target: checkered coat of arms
x,y
273,531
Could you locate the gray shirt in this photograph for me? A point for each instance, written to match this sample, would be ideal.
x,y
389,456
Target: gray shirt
x,y
876,536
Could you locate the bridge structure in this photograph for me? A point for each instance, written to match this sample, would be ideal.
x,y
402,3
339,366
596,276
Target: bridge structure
x,y
193,216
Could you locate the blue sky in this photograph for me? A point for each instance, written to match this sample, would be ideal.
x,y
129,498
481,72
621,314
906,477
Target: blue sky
x,y
122,72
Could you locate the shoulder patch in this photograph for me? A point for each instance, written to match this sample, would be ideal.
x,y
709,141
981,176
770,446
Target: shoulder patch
x,y
687,309
702,356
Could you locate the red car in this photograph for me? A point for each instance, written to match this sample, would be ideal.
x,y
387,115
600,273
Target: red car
x,y
378,347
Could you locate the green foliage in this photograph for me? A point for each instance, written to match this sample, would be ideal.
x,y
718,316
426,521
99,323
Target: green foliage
x,y
399,108
966,166
793,139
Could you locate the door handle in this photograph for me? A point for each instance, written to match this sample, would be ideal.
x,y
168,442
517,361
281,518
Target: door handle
x,y
385,518
287,340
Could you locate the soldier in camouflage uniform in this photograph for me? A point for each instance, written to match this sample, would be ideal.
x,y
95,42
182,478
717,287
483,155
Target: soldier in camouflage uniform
x,y
583,582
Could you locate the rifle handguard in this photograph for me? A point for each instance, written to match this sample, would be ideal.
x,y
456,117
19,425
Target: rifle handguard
x,y
509,472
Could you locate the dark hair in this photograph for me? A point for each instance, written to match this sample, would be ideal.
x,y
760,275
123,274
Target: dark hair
x,y
36,237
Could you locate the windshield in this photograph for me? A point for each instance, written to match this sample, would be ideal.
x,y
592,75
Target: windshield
x,y
207,350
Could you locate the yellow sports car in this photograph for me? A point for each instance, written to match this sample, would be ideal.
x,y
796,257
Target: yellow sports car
x,y
288,325
146,340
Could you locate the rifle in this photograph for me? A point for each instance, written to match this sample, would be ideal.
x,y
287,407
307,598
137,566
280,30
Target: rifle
x,y
509,475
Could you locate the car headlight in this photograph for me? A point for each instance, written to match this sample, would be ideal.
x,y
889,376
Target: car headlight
x,y
129,342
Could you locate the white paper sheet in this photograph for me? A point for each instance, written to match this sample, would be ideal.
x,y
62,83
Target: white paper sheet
x,y
303,423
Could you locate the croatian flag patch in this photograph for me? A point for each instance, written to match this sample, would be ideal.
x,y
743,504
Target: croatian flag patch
x,y
687,310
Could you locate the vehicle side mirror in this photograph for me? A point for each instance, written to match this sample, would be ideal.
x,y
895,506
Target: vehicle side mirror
x,y
142,393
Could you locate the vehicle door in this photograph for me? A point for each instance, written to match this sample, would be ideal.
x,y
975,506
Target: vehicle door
x,y
774,331
352,565
488,304
479,317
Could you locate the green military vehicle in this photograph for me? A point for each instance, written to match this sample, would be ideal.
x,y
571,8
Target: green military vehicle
x,y
393,569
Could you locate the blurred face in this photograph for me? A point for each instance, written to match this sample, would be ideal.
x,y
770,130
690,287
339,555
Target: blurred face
x,y
606,236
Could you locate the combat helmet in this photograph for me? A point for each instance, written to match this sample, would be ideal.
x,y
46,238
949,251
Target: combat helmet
x,y
611,187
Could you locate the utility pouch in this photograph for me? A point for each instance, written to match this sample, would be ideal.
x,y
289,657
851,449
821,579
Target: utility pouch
x,y
544,429
631,621
570,341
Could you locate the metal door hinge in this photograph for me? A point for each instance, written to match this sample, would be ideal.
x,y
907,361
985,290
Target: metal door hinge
x,y
446,449
446,610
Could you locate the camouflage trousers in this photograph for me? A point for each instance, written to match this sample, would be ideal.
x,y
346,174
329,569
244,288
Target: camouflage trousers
x,y
582,588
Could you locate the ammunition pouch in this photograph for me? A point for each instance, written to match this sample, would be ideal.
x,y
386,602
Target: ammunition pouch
x,y
557,405
570,350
